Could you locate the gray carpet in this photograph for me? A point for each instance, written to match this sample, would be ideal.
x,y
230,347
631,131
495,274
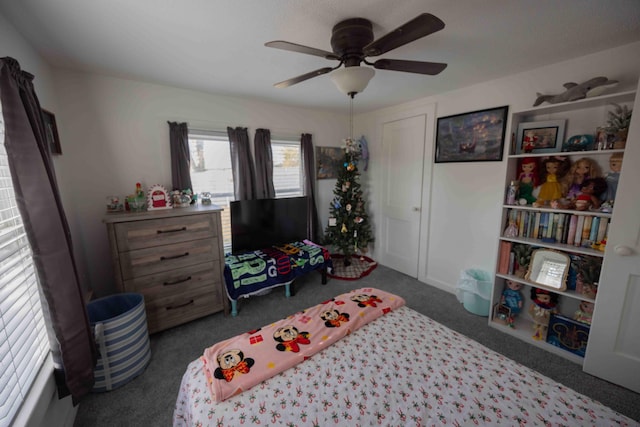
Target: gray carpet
x,y
149,399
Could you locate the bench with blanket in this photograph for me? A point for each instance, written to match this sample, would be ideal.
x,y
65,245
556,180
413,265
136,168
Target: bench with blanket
x,y
254,272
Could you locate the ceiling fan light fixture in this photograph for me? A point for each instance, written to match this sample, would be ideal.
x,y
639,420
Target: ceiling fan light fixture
x,y
352,80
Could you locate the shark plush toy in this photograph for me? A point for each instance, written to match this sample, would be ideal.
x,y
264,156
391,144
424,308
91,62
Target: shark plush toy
x,y
364,151
576,91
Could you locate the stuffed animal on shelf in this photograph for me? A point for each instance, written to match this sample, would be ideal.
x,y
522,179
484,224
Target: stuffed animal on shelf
x,y
589,196
554,169
528,179
584,312
580,170
612,177
543,303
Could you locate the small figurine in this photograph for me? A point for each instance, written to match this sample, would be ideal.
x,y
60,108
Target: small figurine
x,y
589,196
551,189
512,298
580,170
543,304
584,312
528,180
529,141
612,177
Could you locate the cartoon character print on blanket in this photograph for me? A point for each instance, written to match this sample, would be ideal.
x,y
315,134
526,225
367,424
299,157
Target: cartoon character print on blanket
x,y
365,300
333,318
230,363
289,338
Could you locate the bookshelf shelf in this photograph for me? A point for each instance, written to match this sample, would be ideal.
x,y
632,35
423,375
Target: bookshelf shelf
x,y
581,234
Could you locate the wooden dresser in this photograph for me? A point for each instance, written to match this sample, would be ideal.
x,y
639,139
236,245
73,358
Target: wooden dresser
x,y
174,258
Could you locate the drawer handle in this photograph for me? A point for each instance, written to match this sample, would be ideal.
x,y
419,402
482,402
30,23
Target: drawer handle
x,y
176,282
180,306
166,258
172,231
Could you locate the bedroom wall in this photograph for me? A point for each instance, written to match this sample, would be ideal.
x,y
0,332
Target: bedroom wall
x,y
465,198
114,133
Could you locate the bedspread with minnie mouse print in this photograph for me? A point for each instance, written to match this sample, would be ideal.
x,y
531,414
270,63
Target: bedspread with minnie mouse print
x,y
237,364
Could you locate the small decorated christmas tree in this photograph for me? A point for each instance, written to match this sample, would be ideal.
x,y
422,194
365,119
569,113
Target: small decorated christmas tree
x,y
349,230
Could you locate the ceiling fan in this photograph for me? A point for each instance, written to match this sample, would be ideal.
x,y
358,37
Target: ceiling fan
x,y
352,42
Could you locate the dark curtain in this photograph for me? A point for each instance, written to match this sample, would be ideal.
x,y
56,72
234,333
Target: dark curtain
x,y
241,164
309,176
47,230
264,165
180,159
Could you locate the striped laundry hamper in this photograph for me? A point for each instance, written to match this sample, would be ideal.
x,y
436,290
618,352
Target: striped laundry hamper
x,y
119,324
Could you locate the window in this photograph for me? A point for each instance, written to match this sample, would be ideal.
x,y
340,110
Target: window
x,y
23,337
211,172
287,170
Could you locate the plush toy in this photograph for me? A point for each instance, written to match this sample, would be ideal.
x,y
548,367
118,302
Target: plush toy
x,y
612,177
580,170
584,312
554,168
543,303
589,196
528,179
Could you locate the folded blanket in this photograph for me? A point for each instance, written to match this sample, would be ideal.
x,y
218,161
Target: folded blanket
x,y
237,364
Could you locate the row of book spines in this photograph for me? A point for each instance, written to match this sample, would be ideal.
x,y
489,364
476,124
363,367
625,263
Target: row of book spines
x,y
577,230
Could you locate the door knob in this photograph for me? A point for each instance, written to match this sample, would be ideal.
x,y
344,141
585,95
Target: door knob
x,y
416,209
623,250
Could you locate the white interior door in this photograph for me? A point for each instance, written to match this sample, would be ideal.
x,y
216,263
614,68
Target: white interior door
x,y
403,144
613,352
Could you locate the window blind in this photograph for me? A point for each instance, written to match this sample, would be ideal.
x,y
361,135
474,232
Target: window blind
x,y
287,172
23,336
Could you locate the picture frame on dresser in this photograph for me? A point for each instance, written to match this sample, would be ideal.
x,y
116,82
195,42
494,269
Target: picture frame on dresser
x,y
540,137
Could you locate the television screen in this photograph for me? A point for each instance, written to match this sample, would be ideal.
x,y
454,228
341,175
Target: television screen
x,y
258,224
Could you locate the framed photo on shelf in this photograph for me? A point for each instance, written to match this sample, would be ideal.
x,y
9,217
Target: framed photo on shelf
x,y
540,137
51,132
477,136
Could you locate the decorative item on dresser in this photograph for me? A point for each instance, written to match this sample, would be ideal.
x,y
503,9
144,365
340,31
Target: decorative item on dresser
x,y
174,258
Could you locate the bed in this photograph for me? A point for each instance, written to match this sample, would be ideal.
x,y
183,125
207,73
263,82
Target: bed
x,y
397,368
254,272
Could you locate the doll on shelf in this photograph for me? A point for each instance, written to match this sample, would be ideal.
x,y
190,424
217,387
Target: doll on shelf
x,y
528,179
553,168
589,197
543,303
512,298
584,312
580,170
612,177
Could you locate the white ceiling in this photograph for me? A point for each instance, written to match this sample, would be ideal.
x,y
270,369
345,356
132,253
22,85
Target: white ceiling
x,y
217,46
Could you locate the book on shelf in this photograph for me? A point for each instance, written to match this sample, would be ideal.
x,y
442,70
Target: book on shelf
x,y
602,229
579,226
536,226
505,252
593,232
573,223
586,231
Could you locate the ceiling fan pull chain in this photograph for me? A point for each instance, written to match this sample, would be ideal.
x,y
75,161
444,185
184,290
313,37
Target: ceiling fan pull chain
x,y
351,117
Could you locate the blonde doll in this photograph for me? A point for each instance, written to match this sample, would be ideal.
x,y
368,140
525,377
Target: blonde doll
x,y
580,170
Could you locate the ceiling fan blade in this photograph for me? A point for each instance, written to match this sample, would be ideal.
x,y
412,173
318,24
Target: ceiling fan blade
x,y
303,77
293,47
420,26
418,67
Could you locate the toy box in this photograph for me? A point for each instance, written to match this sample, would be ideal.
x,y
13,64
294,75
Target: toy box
x,y
568,334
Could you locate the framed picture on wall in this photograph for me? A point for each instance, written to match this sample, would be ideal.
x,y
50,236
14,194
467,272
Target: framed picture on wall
x,y
51,132
477,136
540,137
329,160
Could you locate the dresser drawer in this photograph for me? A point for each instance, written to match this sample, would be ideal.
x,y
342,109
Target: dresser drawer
x,y
143,262
163,313
173,282
162,231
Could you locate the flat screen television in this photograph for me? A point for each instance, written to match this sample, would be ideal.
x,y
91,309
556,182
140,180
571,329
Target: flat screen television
x,y
260,223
